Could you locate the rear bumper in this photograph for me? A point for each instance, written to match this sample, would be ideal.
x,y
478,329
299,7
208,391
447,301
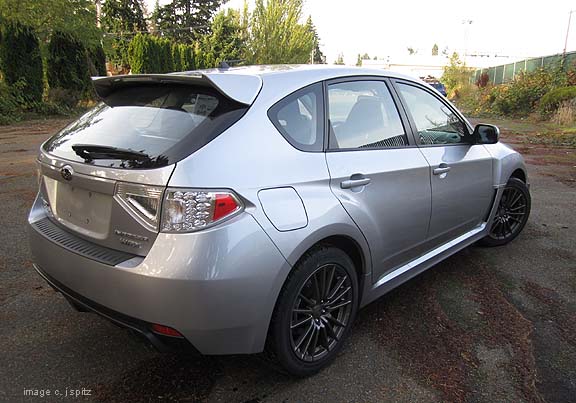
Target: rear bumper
x,y
216,287
160,342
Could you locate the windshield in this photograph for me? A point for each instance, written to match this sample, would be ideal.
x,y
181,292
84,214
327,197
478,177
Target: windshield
x,y
146,126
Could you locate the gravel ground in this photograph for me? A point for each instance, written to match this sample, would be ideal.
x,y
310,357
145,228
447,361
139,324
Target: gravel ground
x,y
485,325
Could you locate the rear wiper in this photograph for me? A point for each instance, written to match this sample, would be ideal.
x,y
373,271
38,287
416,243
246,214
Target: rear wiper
x,y
95,152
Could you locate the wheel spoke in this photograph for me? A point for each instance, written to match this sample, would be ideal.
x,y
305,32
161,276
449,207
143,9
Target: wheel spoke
x,y
305,311
317,295
335,299
325,342
335,290
331,331
303,321
517,207
335,321
307,300
309,343
516,220
514,201
333,308
303,337
329,282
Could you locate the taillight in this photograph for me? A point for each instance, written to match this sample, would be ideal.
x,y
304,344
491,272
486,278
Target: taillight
x,y
187,210
142,201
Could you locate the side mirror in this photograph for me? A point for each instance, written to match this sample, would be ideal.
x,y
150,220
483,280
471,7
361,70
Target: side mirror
x,y
486,134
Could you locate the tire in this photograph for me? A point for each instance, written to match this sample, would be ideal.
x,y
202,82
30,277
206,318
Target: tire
x,y
306,335
512,215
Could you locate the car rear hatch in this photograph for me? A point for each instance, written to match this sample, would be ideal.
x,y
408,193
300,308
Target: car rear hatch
x,y
103,177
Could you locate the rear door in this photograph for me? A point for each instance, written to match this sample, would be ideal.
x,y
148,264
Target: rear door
x,y
378,174
461,171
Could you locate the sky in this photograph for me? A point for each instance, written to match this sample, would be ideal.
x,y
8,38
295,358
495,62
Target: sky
x,y
387,28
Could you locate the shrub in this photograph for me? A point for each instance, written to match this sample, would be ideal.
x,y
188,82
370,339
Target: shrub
x,y
67,63
9,108
187,58
520,97
483,80
554,98
565,113
97,59
144,54
63,97
176,59
20,60
165,55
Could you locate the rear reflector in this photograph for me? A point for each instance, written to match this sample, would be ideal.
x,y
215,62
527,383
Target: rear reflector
x,y
225,204
166,331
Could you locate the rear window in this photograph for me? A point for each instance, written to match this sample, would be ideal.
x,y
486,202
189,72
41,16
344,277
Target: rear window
x,y
147,126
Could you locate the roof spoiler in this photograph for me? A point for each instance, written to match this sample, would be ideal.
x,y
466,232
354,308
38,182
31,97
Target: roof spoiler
x,y
239,87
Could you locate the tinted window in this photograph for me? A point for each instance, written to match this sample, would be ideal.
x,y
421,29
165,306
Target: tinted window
x,y
363,115
435,121
299,117
158,124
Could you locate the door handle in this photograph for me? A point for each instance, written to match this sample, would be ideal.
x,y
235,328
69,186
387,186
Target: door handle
x,y
352,183
442,169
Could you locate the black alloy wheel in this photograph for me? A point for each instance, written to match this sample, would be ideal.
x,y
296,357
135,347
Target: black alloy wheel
x,y
314,312
321,312
512,214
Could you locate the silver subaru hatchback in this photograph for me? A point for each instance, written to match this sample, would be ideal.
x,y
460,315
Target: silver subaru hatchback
x,y
255,209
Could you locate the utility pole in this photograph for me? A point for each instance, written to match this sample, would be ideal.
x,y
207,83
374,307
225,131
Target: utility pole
x,y
466,24
567,32
98,12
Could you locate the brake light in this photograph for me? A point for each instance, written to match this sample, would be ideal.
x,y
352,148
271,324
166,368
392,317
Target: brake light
x,y
188,210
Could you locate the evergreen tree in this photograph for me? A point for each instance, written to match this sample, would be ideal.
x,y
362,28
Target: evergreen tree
x,y
21,61
318,56
67,63
226,42
435,50
122,18
185,21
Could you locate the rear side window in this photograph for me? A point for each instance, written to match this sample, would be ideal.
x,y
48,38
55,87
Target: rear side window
x,y
363,115
300,119
147,126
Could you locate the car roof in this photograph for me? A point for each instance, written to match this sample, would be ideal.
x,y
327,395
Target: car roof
x,y
243,84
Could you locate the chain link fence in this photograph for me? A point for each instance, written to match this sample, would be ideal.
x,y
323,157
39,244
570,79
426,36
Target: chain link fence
x,y
506,72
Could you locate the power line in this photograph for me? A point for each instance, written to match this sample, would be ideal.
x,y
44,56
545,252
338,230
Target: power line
x,y
191,28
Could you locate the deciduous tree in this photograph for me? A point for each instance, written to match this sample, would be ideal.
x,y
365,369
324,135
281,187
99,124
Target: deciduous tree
x,y
277,35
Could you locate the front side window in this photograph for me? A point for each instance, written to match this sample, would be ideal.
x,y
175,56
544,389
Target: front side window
x,y
363,115
299,117
435,122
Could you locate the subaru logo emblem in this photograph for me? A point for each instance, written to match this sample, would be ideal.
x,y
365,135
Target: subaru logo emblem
x,y
67,172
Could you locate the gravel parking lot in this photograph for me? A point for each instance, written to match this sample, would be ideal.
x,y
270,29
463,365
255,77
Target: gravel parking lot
x,y
486,325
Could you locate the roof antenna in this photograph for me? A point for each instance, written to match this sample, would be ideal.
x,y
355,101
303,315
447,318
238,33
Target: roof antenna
x,y
223,65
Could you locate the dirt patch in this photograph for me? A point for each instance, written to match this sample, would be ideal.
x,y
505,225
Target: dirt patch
x,y
445,343
556,310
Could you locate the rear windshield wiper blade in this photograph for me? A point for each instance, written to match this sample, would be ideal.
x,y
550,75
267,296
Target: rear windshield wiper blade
x,y
96,152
